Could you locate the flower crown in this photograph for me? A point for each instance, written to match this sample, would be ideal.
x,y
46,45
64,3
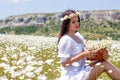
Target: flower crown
x,y
70,16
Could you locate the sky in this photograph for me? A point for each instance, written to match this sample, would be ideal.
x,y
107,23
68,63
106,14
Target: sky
x,y
18,7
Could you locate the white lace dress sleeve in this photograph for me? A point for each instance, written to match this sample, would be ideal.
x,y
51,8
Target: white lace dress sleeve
x,y
64,48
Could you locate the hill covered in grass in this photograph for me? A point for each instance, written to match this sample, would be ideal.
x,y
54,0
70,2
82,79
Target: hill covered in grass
x,y
98,23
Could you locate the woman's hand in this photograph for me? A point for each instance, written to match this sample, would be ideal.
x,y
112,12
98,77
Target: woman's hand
x,y
105,55
90,52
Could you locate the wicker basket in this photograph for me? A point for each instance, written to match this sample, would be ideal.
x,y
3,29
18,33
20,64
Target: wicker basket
x,y
101,51
98,55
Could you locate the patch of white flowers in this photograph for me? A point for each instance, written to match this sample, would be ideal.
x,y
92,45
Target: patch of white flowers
x,y
99,44
27,57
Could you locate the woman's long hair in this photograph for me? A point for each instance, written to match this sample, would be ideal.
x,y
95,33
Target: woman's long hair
x,y
64,27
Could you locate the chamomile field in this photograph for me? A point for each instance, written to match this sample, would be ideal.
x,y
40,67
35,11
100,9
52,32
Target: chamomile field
x,y
28,57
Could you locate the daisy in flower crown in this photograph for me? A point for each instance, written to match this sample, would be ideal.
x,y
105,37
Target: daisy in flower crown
x,y
70,16
72,53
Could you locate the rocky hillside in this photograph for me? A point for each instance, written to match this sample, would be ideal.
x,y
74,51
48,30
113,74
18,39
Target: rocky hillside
x,y
45,18
110,15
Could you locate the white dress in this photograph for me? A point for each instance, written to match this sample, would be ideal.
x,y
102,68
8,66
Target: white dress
x,y
67,48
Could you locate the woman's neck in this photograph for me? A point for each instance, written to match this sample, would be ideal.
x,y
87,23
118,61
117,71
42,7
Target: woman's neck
x,y
71,33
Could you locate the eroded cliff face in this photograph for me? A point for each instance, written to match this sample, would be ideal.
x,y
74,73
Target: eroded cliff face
x,y
24,20
111,15
44,18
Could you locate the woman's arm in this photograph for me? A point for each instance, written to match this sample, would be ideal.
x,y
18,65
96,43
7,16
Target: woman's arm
x,y
76,58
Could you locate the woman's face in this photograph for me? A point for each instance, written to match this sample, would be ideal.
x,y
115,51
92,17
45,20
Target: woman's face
x,y
74,24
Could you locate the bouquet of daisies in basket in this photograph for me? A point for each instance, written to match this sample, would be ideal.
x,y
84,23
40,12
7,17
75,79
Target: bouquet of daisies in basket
x,y
101,45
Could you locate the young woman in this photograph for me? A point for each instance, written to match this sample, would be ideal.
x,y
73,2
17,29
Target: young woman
x,y
72,54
